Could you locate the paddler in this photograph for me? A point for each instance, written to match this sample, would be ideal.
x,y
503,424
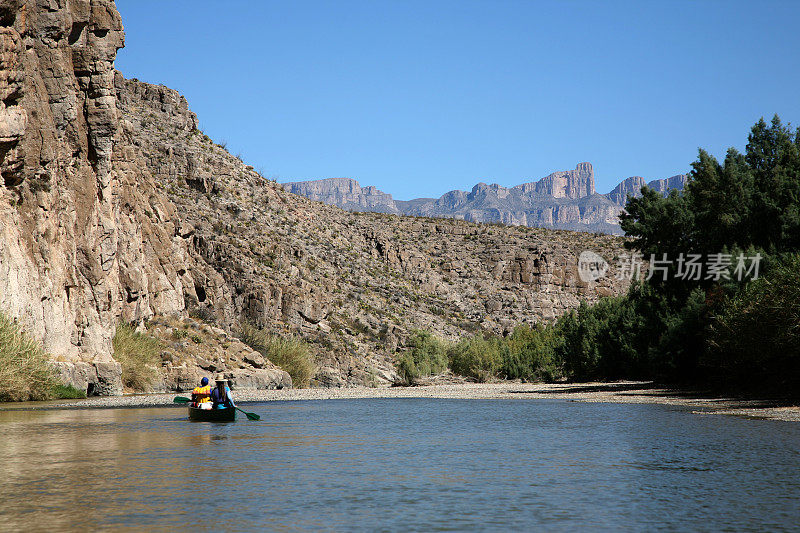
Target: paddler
x,y
201,396
221,395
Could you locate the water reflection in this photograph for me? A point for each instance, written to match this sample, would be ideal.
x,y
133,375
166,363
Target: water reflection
x,y
403,464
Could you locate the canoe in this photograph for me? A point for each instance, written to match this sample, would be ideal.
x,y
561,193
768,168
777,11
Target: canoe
x,y
212,415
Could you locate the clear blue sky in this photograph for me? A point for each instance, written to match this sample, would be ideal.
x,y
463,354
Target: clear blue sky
x,y
422,97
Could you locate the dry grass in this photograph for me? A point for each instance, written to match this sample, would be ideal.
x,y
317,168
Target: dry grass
x,y
139,356
289,353
25,369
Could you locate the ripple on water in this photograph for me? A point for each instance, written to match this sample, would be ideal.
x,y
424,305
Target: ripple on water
x,y
416,464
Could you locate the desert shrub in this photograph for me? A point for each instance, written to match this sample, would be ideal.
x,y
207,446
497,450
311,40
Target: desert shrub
x,y
290,353
534,354
427,355
203,314
139,356
25,369
407,371
477,357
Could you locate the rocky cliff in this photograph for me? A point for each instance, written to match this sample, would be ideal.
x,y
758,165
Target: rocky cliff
x,y
115,207
632,187
59,251
571,184
345,193
563,200
87,238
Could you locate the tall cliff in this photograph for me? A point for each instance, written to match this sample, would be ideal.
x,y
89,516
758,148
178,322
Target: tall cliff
x,y
115,207
59,252
571,184
561,200
88,238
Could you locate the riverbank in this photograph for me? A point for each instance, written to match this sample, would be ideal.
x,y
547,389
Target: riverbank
x,y
618,392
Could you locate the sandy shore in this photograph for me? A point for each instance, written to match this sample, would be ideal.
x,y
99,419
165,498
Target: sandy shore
x,y
618,392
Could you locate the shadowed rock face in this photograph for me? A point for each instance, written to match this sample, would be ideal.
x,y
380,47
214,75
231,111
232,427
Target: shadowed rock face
x,y
562,200
114,206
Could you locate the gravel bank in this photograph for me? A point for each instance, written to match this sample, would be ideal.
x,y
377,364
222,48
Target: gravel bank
x,y
619,392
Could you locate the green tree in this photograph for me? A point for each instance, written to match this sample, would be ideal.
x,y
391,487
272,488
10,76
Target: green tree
x,y
755,335
773,155
749,202
719,199
427,355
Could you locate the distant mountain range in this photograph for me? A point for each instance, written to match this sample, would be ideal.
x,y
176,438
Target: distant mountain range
x,y
562,200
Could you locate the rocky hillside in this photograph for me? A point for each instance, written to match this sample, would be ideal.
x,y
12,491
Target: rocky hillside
x,y
563,200
115,207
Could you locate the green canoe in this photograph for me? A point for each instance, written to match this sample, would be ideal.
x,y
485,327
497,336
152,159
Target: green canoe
x,y
212,415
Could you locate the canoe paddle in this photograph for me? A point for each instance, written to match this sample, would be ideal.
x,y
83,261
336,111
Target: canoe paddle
x,y
250,416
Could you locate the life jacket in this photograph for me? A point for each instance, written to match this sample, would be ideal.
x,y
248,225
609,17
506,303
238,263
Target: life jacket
x,y
201,395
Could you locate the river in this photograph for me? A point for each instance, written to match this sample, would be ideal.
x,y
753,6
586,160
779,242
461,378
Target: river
x,y
400,464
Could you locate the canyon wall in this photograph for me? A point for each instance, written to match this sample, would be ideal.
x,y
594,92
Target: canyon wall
x,y
59,262
115,207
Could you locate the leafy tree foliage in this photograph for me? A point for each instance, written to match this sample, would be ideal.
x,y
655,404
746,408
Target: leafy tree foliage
x,y
755,335
751,199
749,203
428,355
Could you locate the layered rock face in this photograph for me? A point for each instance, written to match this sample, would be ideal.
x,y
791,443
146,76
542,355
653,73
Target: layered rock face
x,y
571,184
345,193
664,186
115,207
86,237
59,270
562,200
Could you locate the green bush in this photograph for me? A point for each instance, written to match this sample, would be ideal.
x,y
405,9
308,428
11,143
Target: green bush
x,y
139,356
63,392
406,368
289,353
25,369
427,356
477,357
529,353
613,338
533,354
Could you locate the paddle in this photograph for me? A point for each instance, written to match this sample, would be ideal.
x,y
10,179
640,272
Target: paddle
x,y
250,416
